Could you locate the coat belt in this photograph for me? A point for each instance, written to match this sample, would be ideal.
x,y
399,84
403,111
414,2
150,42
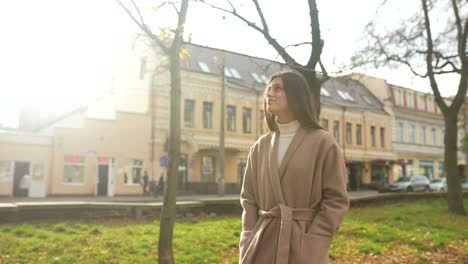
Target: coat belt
x,y
287,216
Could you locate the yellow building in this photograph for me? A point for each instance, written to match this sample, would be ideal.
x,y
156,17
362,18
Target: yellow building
x,y
359,123
418,128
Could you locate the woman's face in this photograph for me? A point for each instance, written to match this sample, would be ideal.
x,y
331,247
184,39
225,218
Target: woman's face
x,y
276,100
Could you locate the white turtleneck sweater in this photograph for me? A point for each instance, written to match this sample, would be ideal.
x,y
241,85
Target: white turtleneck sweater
x,y
287,132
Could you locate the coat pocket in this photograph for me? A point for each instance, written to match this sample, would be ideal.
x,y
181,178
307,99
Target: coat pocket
x,y
314,249
243,244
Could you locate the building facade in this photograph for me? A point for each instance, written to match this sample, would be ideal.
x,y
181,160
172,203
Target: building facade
x,y
385,131
418,128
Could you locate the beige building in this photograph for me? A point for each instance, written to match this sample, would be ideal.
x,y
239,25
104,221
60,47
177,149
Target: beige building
x,y
359,123
418,128
76,155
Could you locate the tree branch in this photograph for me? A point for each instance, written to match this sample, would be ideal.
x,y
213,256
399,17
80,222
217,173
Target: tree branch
x,y
144,28
325,76
167,3
286,57
405,62
317,42
462,50
260,13
458,24
430,70
138,11
297,45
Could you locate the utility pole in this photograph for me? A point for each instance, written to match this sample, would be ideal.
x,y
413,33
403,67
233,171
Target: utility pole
x,y
221,134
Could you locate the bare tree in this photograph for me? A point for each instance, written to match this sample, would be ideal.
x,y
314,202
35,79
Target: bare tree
x,y
429,52
165,252
313,77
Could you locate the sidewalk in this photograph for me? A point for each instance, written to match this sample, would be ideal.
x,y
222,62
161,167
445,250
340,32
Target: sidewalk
x,y
147,199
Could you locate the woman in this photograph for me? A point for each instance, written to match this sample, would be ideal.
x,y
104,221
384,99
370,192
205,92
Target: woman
x,y
294,192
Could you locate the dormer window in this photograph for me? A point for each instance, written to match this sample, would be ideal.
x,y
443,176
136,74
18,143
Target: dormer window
x,y
345,96
324,92
203,66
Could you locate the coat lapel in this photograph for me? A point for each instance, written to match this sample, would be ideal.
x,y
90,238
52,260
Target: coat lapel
x,y
295,143
273,168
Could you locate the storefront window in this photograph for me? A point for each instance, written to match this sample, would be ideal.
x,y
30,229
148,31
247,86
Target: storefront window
x,y
426,168
208,169
133,172
5,171
74,170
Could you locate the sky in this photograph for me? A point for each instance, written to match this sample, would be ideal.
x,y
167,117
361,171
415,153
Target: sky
x,y
58,54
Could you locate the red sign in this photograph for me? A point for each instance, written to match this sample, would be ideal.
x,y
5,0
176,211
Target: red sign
x,y
103,160
73,159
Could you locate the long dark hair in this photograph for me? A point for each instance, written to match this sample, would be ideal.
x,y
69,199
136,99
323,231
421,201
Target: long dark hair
x,y
300,100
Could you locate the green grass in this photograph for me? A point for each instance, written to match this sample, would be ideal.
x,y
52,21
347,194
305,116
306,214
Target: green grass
x,y
404,230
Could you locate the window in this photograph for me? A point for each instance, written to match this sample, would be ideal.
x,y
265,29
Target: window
x,y
5,170
410,100
430,105
133,172
345,96
261,122
259,78
349,139
207,115
208,169
401,132
189,113
421,103
74,170
372,134
359,134
399,98
412,133
247,120
423,135
324,92
325,123
142,68
235,73
232,73
231,118
382,137
203,66
336,130
227,72
434,136
367,100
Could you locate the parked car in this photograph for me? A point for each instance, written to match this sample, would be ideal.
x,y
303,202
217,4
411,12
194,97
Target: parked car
x,y
438,185
410,184
465,185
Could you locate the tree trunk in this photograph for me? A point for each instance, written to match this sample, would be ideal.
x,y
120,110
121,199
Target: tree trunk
x,y
454,194
314,85
168,213
465,134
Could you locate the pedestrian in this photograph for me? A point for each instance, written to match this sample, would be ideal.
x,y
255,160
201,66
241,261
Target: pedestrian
x,y
294,194
144,182
161,184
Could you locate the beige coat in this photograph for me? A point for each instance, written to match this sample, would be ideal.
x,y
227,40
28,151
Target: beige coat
x,y
292,212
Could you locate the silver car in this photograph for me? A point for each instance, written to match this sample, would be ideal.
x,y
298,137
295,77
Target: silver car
x,y
410,184
465,185
438,185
